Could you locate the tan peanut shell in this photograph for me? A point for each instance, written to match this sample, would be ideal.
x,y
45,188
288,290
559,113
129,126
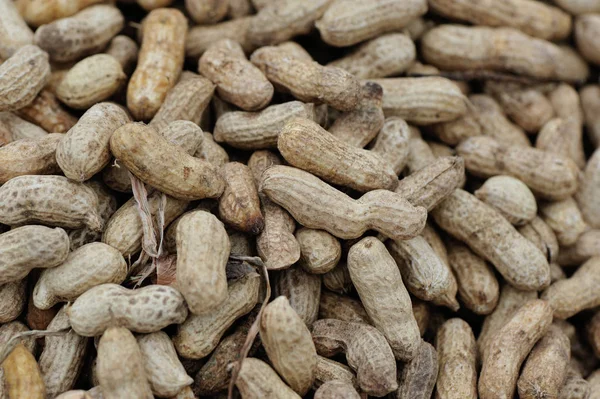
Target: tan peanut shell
x,y
14,128
420,153
52,200
338,162
200,37
74,37
185,134
302,290
120,368
565,219
563,137
239,8
276,244
13,29
330,370
366,349
39,12
38,319
212,152
349,22
590,103
207,11
90,81
202,251
308,81
34,156
159,63
422,101
392,143
85,149
575,386
258,380
125,51
509,196
164,371
319,251
335,389
22,77
587,27
317,205
510,346
46,112
566,103
63,356
540,234
22,375
453,132
239,205
417,378
13,297
493,122
144,310
238,81
11,329
340,307
377,279
163,165
386,55
589,191
338,279
86,267
433,238
200,334
457,354
587,246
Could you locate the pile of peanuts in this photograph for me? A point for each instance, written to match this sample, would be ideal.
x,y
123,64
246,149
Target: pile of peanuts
x,y
399,198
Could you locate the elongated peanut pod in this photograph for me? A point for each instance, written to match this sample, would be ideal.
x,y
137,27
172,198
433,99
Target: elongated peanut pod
x,y
14,32
239,206
200,37
392,143
46,112
589,191
417,378
320,252
34,156
258,380
509,196
336,390
22,375
39,12
330,370
587,246
13,297
303,291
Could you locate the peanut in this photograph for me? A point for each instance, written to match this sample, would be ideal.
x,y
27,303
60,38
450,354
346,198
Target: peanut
x,y
13,297
9,330
320,252
540,234
125,51
420,153
258,380
594,384
587,246
575,387
334,306
46,112
563,137
392,143
302,290
34,156
150,5
336,390
565,219
417,378
590,102
13,128
39,12
200,37
207,11
22,375
330,370
510,197
338,279
14,31
587,27
212,152
593,332
239,206
589,191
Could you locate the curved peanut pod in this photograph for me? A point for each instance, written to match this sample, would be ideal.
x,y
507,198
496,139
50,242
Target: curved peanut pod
x,y
330,370
335,389
163,165
86,267
392,143
288,344
160,61
53,200
257,380
144,310
13,29
589,191
509,196
548,175
366,349
239,205
377,279
320,252
570,296
164,370
489,235
13,297
493,122
510,346
338,163
417,378
120,367
202,251
22,77
34,156
349,22
276,243
22,375
85,149
315,204
62,359
303,291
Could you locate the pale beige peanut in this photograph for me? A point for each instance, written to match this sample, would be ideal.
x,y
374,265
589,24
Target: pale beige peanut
x,y
295,50
160,62
150,5
22,77
85,149
422,101
455,131
425,274
319,251
417,378
540,234
571,296
341,307
338,279
164,371
563,137
330,370
258,380
592,330
211,151
338,163
276,244
349,22
91,80
566,103
22,375
315,204
13,29
366,349
478,288
86,267
577,7
565,219
587,246
457,354
590,103
39,12
202,251
556,273
125,51
120,368
377,279
418,27
9,330
200,334
575,386
441,150
14,128
163,165
532,17
392,143
281,20
13,297
200,37
386,55
34,156
239,8
46,112
239,205
207,11
456,47
510,346
143,310
335,389
589,191
587,28
63,356
509,196
308,81
551,176
84,33
302,290
420,153
431,235
258,130
546,367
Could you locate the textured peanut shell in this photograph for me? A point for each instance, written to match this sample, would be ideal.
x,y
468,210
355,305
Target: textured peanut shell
x,y
420,154
13,297
416,379
46,112
86,267
206,11
336,390
276,244
120,366
587,28
338,279
13,29
257,380
22,77
185,134
392,143
39,12
565,219
540,234
107,205
9,330
510,346
125,51
377,279
330,370
589,191
34,156
22,375
510,197
593,332
14,128
200,37
143,310
211,151
563,136
239,206
319,251
587,246
315,204
52,200
566,103
74,37
303,291
455,131
575,387
202,251
590,103
341,307
492,121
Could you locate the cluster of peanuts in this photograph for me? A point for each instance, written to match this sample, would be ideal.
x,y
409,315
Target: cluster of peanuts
x,y
399,198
